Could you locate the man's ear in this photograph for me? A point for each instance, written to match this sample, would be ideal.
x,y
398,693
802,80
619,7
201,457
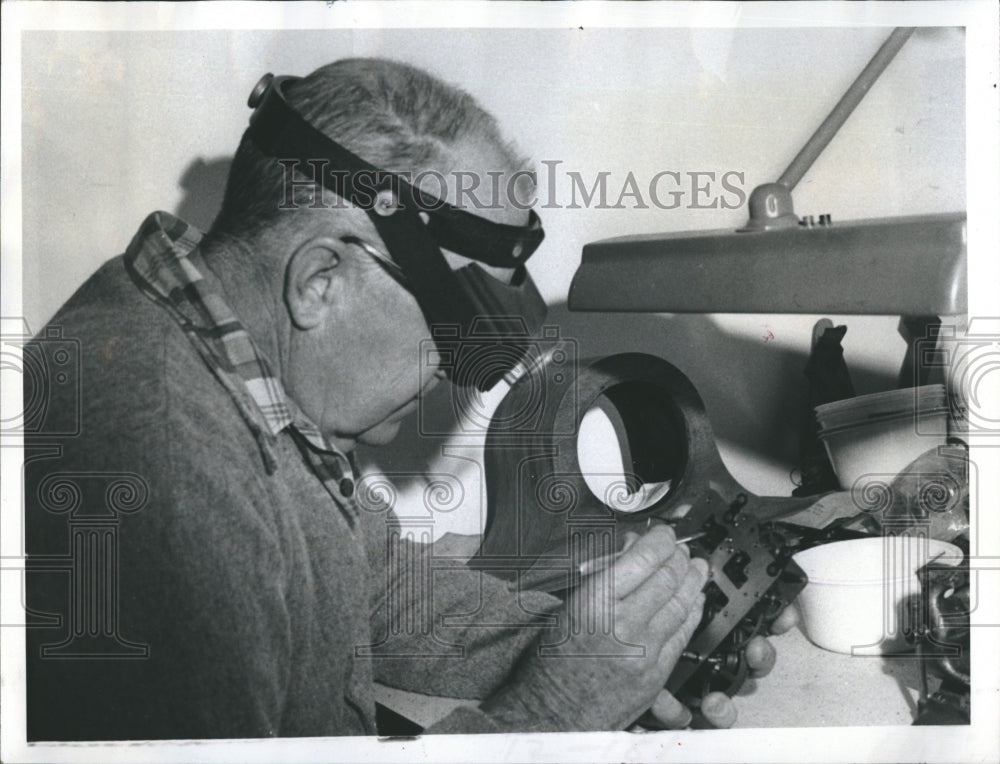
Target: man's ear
x,y
312,281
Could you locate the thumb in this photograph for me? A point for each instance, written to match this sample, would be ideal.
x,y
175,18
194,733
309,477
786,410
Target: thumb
x,y
670,712
719,710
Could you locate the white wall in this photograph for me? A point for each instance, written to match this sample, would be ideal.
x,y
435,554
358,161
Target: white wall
x,y
118,124
113,120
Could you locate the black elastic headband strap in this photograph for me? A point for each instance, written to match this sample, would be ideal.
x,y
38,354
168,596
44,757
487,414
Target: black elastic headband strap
x,y
279,130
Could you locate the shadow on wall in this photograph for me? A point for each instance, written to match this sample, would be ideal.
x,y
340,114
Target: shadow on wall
x,y
755,395
203,183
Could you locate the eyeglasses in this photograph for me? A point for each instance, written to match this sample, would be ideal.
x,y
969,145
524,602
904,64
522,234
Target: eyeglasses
x,y
381,258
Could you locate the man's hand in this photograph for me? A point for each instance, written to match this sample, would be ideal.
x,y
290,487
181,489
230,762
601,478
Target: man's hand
x,y
717,707
651,598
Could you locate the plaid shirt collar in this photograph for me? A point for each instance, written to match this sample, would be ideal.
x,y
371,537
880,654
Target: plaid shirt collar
x,y
157,260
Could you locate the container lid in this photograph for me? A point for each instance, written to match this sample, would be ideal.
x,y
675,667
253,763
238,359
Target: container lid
x,y
879,406
827,430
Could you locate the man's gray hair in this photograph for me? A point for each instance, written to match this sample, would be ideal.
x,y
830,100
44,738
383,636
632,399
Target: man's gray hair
x,y
394,116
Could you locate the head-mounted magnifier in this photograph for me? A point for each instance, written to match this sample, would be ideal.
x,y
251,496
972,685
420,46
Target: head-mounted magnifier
x,y
481,326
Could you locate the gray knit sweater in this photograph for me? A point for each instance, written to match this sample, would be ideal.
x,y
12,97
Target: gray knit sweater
x,y
236,602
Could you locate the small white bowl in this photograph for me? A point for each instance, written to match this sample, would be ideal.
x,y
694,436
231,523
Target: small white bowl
x,y
855,601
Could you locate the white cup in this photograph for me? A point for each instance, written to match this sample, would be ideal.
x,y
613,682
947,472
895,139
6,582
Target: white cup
x,y
856,598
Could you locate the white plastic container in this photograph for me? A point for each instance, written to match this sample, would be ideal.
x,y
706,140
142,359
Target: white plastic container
x,y
856,598
881,434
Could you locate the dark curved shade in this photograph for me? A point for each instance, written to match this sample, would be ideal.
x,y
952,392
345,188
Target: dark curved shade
x,y
911,266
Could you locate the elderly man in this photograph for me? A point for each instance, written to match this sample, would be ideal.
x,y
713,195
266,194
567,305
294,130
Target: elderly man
x,y
226,379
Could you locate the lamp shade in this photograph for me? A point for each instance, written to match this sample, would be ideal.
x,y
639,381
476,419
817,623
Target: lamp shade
x,y
911,266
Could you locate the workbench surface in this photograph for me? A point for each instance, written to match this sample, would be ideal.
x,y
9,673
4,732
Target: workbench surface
x,y
809,687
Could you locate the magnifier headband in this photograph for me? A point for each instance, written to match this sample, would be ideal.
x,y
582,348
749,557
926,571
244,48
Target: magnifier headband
x,y
482,327
278,129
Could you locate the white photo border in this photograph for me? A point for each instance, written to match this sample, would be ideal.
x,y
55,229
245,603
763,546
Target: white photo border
x,y
976,743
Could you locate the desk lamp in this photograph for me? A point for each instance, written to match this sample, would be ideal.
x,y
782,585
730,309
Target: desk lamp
x,y
778,263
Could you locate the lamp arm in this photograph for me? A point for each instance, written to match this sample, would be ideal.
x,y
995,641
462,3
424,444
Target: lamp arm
x,y
770,204
836,118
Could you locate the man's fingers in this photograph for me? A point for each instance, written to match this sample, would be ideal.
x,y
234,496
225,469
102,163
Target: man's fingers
x,y
646,556
678,635
630,538
660,585
788,618
684,602
761,656
719,710
670,712
695,581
